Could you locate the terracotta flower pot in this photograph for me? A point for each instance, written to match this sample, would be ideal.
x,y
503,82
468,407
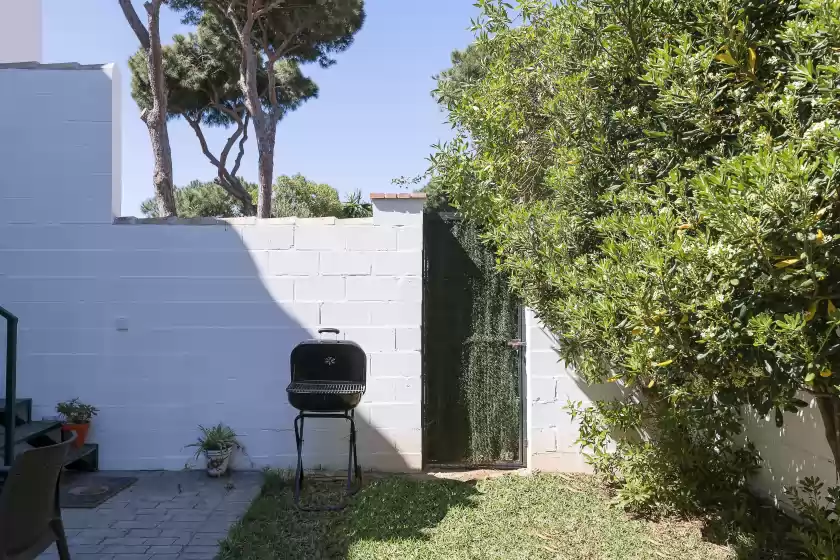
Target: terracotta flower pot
x,y
81,431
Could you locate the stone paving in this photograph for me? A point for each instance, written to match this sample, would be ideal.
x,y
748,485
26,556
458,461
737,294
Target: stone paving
x,y
163,516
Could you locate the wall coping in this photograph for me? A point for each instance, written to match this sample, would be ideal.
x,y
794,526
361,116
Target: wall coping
x,y
32,65
251,221
175,221
414,196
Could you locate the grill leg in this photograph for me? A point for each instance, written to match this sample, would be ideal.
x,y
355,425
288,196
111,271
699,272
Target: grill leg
x,y
299,471
353,458
352,461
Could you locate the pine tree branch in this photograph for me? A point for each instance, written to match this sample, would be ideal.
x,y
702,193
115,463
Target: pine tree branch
x,y
233,137
202,141
241,144
136,25
224,179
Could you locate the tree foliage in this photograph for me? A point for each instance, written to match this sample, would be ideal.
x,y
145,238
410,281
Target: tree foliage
x,y
298,196
269,32
292,196
660,179
201,199
202,73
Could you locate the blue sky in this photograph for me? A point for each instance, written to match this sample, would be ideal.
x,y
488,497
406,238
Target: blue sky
x,y
374,119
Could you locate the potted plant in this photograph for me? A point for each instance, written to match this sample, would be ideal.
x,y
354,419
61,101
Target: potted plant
x,y
217,444
77,417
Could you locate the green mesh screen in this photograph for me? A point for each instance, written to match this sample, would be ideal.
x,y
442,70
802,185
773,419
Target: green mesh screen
x,y
473,409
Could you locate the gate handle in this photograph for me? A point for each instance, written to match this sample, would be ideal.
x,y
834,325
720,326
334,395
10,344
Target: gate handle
x,y
515,343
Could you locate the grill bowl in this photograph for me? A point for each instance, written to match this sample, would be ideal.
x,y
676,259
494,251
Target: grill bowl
x,y
324,403
325,396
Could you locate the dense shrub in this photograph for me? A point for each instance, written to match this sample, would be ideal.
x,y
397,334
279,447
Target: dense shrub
x,y
819,536
660,179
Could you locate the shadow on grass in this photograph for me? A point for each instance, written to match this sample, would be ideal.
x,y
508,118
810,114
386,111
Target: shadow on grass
x,y
387,509
754,531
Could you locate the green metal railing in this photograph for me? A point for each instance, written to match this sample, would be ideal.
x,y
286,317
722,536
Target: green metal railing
x,y
11,378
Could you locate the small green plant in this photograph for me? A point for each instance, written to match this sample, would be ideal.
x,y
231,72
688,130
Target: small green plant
x,y
76,412
819,536
216,438
354,207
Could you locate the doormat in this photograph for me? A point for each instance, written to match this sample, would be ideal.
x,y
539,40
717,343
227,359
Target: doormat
x,y
91,491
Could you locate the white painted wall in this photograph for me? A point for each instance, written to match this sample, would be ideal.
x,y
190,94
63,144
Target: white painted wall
x,y
164,327
551,385
59,160
794,451
20,30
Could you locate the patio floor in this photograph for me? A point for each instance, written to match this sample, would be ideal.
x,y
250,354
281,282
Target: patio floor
x,y
163,516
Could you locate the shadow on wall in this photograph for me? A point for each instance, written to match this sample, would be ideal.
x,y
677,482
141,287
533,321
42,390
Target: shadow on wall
x,y
790,453
165,327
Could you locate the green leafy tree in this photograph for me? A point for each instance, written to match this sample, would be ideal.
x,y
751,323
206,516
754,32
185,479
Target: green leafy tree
x,y
268,34
199,199
468,67
660,180
355,207
298,196
293,196
202,71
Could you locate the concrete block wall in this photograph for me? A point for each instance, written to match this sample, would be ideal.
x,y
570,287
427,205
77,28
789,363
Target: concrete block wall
x,y
164,327
551,384
170,324
794,451
62,142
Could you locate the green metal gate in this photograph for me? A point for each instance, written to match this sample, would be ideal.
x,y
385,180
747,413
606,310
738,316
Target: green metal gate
x,y
473,411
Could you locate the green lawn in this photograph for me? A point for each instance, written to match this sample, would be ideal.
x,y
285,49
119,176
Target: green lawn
x,y
511,517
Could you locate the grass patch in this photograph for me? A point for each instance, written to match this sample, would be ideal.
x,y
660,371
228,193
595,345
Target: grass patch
x,y
513,517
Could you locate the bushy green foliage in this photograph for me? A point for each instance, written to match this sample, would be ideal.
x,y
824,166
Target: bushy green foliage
x,y
298,196
660,179
199,199
819,536
293,196
202,75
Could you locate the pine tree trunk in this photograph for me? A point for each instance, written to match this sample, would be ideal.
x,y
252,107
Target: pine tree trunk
x,y
265,126
266,175
155,117
162,175
265,145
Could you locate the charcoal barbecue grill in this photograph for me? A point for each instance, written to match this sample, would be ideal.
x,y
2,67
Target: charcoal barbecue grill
x,y
328,381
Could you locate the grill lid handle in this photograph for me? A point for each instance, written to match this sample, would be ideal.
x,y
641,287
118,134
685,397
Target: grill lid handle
x,y
329,330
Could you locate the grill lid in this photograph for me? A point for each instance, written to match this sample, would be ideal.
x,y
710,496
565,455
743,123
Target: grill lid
x,y
334,361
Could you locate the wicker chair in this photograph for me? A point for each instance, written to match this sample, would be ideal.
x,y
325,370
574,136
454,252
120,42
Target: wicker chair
x,y
30,517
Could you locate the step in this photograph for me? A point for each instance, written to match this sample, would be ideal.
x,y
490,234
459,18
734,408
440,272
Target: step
x,y
23,407
85,457
26,432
